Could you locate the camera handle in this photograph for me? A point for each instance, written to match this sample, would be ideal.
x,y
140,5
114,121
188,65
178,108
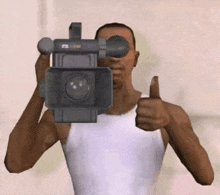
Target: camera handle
x,y
116,46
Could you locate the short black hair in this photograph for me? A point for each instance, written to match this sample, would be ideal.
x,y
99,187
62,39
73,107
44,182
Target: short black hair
x,y
115,24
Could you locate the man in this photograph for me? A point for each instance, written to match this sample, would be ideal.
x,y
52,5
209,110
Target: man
x,y
121,153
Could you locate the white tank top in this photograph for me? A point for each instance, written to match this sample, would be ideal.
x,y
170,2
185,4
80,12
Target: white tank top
x,y
113,156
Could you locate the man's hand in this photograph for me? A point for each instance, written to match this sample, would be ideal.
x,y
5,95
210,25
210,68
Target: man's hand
x,y
151,112
42,64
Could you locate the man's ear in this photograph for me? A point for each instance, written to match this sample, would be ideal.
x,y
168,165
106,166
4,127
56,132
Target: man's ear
x,y
137,53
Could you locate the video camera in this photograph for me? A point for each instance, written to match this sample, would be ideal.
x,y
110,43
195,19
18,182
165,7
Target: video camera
x,y
74,87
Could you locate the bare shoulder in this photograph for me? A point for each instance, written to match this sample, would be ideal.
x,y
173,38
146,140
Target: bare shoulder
x,y
46,131
61,130
48,116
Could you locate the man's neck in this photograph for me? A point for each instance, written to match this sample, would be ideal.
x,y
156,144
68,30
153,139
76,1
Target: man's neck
x,y
124,99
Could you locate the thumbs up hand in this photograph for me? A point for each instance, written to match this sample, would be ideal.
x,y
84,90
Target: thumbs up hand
x,y
151,112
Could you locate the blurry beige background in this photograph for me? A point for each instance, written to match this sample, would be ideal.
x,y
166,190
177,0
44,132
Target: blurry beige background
x,y
179,41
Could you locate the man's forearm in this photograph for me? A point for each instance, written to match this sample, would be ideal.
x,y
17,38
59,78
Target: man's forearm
x,y
22,137
187,146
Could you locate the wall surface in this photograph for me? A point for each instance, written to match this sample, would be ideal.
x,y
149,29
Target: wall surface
x,y
179,40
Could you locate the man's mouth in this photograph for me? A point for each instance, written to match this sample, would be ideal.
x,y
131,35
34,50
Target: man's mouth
x,y
116,72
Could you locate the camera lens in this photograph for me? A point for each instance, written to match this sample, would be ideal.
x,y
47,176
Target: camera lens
x,y
77,87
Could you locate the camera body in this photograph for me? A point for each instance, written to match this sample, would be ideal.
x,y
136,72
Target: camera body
x,y
74,87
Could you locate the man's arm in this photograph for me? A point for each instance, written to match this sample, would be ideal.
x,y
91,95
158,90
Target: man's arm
x,y
153,113
187,146
28,132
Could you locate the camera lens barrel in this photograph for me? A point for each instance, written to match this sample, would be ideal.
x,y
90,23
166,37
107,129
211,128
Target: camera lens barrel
x,y
116,46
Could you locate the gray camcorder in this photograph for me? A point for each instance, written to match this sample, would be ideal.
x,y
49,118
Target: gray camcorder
x,y
74,87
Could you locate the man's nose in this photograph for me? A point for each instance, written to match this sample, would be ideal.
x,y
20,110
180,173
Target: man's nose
x,y
107,61
113,59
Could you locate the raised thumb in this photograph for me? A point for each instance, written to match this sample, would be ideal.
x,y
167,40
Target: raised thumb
x,y
154,88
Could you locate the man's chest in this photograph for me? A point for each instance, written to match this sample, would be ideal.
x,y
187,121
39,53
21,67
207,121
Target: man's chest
x,y
112,133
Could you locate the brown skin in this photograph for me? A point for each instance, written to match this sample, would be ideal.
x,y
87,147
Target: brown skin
x,y
153,113
30,138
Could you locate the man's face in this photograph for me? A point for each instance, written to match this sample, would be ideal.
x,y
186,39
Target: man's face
x,y
121,67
